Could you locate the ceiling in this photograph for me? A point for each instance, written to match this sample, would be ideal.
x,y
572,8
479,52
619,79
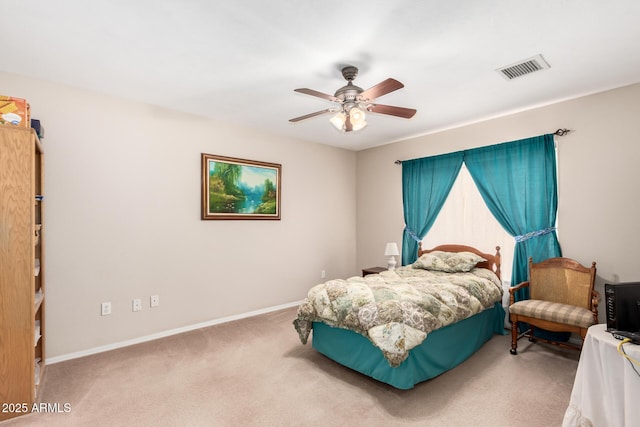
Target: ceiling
x,y
239,61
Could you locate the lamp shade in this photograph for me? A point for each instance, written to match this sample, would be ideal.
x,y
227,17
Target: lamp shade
x,y
338,121
357,118
391,249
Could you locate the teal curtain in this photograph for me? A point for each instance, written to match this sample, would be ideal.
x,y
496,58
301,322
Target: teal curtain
x,y
518,182
426,183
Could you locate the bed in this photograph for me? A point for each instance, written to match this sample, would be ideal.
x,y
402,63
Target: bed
x,y
411,324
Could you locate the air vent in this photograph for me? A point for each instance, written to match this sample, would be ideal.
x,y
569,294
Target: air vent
x,y
524,67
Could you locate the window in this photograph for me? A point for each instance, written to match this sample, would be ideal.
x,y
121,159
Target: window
x,y
465,219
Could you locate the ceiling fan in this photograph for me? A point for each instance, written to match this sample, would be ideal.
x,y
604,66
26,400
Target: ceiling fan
x,y
354,101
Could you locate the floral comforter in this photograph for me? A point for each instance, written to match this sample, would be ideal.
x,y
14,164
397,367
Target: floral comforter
x,y
397,309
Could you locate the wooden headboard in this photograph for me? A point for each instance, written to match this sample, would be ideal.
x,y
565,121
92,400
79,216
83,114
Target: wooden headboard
x,y
492,263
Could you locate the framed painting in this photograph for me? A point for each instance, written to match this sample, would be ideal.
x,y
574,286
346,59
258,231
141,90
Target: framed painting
x,y
240,189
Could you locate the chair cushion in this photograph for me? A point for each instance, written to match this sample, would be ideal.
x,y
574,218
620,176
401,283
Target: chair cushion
x,y
553,312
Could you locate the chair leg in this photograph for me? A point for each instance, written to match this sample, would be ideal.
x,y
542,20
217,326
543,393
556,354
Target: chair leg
x,y
514,337
583,333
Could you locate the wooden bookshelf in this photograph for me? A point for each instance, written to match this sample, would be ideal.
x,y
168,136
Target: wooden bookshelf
x,y
22,282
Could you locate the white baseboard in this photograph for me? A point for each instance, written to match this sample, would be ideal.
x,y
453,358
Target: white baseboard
x,y
101,349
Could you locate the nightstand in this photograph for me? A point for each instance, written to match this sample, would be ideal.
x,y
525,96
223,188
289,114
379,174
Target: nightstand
x,y
373,270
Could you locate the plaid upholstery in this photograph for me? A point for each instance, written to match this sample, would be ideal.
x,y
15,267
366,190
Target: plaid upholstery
x,y
554,312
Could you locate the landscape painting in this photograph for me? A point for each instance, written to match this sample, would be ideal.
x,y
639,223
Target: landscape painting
x,y
239,189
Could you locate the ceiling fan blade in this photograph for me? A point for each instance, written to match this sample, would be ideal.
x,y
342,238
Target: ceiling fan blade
x,y
317,113
318,94
380,89
405,113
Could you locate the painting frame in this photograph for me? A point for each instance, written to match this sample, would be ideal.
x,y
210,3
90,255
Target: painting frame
x,y
234,188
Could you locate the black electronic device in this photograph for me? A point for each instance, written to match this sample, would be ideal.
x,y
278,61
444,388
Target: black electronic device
x,y
621,335
622,302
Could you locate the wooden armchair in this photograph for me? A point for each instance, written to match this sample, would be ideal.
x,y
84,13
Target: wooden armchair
x,y
561,299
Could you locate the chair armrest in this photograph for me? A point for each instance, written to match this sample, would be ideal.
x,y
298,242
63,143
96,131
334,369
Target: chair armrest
x,y
518,287
513,289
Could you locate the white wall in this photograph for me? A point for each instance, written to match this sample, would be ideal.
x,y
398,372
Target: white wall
x,y
598,166
123,219
123,207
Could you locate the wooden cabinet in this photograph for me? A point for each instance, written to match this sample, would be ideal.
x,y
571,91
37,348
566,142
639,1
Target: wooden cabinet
x,y
22,284
372,270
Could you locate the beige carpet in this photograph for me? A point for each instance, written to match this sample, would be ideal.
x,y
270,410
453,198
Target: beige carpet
x,y
255,372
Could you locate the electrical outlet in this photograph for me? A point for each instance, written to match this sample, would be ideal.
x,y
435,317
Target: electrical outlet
x,y
137,304
323,274
154,300
105,308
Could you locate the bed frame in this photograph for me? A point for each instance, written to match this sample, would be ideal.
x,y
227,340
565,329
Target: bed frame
x,y
444,348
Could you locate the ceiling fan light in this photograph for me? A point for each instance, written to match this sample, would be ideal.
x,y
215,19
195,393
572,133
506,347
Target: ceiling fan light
x,y
358,126
357,116
338,121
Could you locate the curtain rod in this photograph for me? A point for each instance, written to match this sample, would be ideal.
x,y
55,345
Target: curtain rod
x,y
562,132
559,132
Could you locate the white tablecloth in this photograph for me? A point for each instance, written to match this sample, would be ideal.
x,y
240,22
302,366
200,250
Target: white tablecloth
x,y
606,391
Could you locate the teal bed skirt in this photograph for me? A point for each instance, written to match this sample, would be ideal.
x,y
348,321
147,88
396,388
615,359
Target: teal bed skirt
x,y
443,349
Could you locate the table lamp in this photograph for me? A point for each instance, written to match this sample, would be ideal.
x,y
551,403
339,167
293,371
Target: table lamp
x,y
391,251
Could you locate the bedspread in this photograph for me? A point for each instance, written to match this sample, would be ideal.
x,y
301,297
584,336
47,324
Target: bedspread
x,y
396,309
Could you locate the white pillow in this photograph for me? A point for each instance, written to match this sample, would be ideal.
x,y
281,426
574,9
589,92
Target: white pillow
x,y
450,262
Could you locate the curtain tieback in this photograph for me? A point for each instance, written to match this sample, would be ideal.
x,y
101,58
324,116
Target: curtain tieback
x,y
533,234
413,235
